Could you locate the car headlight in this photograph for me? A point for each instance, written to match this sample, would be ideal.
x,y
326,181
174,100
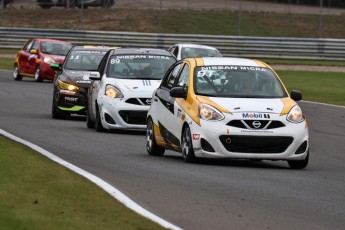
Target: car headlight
x,y
113,92
48,60
209,113
295,115
66,86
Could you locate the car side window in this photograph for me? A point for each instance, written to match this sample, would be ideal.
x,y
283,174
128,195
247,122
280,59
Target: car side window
x,y
28,46
175,52
35,45
170,79
102,64
183,80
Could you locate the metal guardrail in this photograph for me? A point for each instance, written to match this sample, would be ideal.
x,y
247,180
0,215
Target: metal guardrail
x,y
253,47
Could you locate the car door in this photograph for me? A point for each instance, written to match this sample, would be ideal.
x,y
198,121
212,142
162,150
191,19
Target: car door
x,y
175,125
165,107
95,87
23,57
33,57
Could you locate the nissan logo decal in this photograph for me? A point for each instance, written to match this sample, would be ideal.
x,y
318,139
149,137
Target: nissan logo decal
x,y
148,101
256,124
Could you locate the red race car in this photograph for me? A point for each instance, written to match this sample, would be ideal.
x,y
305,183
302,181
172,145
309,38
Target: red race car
x,y
34,59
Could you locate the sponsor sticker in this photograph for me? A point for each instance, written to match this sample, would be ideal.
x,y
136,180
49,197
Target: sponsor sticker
x,y
71,99
236,68
196,136
255,115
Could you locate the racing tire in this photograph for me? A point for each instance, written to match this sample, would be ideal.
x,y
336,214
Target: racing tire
x,y
16,75
89,123
187,146
299,164
98,123
151,145
38,74
55,113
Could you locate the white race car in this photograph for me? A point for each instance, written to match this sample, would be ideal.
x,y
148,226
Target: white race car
x,y
227,108
183,50
121,92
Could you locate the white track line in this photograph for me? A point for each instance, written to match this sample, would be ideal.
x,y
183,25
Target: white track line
x,y
96,180
318,103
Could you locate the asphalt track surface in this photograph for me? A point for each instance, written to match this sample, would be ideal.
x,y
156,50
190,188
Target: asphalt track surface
x,y
232,194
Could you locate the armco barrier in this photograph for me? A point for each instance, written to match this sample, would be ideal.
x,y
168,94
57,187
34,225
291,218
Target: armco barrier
x,y
254,47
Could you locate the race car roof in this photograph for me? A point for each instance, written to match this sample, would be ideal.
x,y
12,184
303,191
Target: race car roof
x,y
122,51
87,47
185,45
229,61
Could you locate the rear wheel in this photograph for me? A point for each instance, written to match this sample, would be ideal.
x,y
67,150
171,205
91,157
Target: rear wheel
x,y
299,164
98,123
187,146
38,74
16,75
151,144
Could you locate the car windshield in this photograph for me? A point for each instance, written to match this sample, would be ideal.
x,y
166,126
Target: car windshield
x,y
87,60
143,66
237,81
187,52
55,48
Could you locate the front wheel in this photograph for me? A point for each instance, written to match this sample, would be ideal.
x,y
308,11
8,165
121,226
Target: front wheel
x,y
98,123
55,113
187,146
299,164
16,75
38,74
151,144
89,123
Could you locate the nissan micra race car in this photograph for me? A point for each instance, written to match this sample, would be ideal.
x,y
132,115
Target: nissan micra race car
x,y
227,108
72,83
183,50
121,93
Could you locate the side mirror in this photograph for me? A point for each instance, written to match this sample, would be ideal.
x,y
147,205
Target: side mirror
x,y
178,92
296,95
33,51
95,76
56,66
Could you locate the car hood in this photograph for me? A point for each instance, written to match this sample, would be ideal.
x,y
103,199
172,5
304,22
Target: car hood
x,y
57,58
126,85
258,105
79,78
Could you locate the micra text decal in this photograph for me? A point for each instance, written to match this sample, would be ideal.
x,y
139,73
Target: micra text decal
x,y
237,68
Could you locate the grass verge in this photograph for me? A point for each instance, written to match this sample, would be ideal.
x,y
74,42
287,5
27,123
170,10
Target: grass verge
x,y
6,63
37,193
316,86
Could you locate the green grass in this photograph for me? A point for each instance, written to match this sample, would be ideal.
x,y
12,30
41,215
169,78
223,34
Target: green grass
x,y
6,63
303,62
37,193
316,86
215,22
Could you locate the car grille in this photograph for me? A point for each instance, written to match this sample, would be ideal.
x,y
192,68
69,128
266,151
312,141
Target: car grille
x,y
134,117
248,124
139,101
255,144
